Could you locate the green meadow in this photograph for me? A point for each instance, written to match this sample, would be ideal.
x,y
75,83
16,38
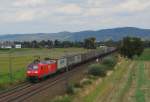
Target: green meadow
x,y
18,59
145,56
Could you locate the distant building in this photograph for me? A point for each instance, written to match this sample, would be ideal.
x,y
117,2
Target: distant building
x,y
6,44
6,47
18,46
9,45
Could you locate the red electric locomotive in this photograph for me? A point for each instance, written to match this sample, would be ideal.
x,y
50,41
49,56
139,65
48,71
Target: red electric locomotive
x,y
40,69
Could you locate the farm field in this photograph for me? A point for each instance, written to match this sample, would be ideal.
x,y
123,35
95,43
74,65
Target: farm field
x,y
130,82
20,58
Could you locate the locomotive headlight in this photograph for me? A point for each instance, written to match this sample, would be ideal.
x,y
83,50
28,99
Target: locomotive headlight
x,y
36,72
28,71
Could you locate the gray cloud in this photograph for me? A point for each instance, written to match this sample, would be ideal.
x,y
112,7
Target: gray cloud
x,y
72,15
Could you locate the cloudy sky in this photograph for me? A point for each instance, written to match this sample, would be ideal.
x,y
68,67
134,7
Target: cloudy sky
x,y
32,16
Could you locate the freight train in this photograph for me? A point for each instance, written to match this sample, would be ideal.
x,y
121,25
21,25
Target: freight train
x,y
40,69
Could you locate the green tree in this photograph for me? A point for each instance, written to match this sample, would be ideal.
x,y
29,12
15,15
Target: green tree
x,y
50,44
66,44
90,43
131,46
57,43
35,44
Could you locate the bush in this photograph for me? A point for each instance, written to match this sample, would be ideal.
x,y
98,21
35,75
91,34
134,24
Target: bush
x,y
97,70
78,85
62,99
91,77
86,82
110,62
70,89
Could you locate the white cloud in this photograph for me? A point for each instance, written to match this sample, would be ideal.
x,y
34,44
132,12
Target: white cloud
x,y
84,14
25,16
134,5
72,9
20,3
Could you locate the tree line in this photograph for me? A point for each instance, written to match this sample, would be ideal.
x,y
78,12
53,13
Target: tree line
x,y
88,43
128,46
49,44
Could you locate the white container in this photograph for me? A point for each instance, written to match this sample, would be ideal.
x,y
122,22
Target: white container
x,y
61,63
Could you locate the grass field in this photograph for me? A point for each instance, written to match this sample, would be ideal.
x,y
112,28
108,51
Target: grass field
x,y
145,56
130,82
20,58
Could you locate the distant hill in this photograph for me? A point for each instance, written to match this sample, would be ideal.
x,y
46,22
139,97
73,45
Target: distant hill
x,y
101,35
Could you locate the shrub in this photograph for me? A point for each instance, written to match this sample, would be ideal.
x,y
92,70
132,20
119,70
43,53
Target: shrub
x,y
91,77
78,85
97,70
62,99
70,89
86,82
110,62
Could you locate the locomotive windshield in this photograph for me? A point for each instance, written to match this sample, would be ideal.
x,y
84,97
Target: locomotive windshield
x,y
32,67
35,67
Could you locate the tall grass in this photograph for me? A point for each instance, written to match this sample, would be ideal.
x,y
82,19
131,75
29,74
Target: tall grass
x,y
140,97
63,99
107,82
126,86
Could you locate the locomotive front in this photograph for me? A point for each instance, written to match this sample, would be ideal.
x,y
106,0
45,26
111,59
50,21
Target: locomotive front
x,y
33,72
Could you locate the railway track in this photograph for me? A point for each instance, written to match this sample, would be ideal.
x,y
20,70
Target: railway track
x,y
22,86
25,91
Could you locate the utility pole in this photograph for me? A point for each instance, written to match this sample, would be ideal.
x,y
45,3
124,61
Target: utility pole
x,y
10,66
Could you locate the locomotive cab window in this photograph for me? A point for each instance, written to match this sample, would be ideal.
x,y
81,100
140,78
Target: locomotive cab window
x,y
35,67
62,61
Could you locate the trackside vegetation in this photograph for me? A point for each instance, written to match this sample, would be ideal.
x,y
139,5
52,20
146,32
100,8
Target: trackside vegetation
x,y
129,82
65,98
95,71
109,62
101,69
70,88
